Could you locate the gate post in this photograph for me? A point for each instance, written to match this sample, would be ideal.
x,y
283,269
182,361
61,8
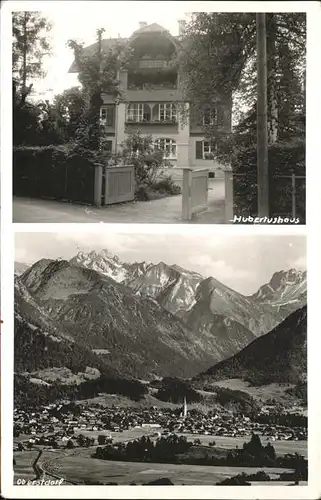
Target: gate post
x,y
98,185
229,203
187,194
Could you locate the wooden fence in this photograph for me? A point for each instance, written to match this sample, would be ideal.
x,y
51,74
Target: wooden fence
x,y
195,191
230,177
114,185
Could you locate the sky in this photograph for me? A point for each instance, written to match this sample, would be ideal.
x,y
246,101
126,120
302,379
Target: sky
x,y
242,262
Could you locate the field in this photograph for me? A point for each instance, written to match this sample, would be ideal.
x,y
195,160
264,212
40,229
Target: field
x,y
77,465
281,447
23,468
83,468
128,435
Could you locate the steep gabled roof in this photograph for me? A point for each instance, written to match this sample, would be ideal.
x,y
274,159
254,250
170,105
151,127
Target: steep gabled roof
x,y
151,28
106,45
110,43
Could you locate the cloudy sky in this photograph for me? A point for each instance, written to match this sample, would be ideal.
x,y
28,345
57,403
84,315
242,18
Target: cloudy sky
x,y
243,263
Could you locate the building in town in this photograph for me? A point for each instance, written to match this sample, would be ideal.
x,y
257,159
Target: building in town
x,y
151,85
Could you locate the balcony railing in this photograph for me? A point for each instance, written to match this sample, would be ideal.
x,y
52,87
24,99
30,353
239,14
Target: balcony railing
x,y
152,86
156,63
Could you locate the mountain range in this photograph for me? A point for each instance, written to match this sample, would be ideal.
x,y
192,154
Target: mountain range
x,y
280,356
140,320
190,295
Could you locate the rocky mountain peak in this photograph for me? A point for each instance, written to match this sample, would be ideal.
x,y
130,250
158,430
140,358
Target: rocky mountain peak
x,y
285,286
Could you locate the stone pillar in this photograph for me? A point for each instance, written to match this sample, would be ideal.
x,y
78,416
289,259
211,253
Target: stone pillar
x,y
183,158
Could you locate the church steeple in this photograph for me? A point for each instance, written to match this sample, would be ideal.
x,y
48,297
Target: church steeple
x,y
185,409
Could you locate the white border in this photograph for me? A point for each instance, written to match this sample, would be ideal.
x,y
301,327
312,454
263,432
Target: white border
x,y
313,490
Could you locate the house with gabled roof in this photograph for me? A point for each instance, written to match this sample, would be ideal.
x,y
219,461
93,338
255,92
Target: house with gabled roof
x,y
151,84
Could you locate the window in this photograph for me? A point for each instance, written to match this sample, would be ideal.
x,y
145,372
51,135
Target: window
x,y
167,112
135,112
109,146
205,150
210,116
168,146
107,115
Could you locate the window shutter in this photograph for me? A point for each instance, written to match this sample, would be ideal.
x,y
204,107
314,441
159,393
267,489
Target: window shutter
x,y
110,116
220,117
199,150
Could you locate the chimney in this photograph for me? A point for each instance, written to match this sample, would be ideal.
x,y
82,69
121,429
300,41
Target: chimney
x,y
181,27
142,24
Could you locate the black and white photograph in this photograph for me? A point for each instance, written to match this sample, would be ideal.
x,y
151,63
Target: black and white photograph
x,y
160,359
139,114
160,243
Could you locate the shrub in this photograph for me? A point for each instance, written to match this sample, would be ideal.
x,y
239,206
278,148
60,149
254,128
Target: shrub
x,y
167,185
149,163
160,189
239,480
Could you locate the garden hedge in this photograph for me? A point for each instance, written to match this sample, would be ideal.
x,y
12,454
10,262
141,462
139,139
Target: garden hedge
x,y
54,172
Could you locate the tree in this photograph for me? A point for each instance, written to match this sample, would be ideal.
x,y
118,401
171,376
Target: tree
x,y
254,447
270,451
70,444
30,45
262,122
218,60
215,50
97,74
70,107
101,439
81,440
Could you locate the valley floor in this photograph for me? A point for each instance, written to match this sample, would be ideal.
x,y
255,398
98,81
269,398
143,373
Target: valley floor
x,y
76,466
